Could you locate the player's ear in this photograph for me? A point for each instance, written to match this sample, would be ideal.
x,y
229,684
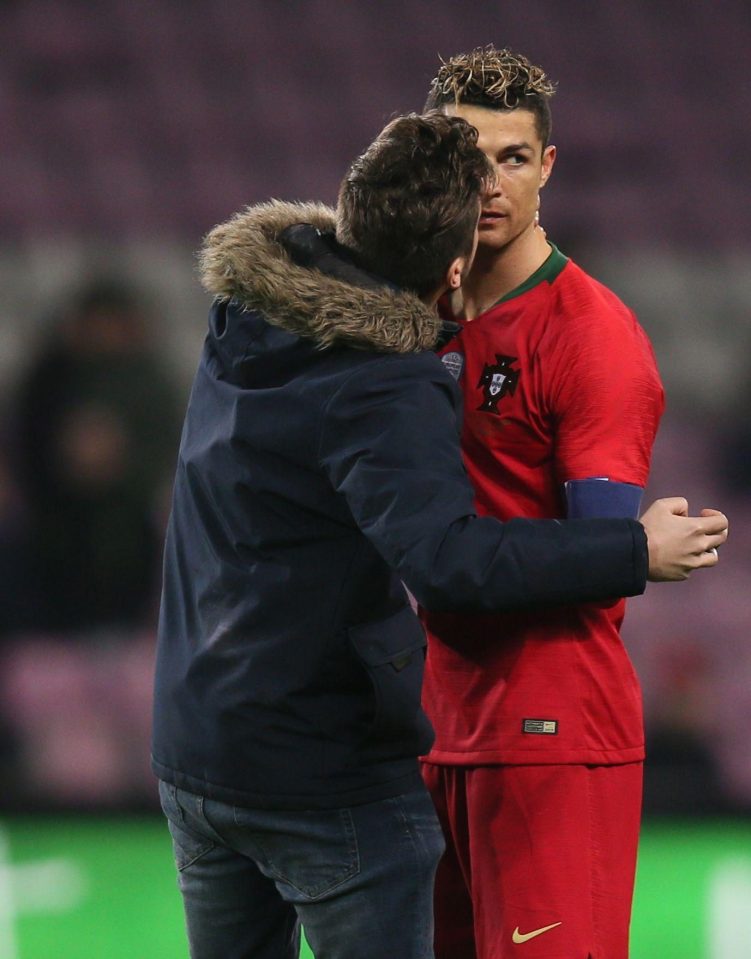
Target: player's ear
x,y
548,159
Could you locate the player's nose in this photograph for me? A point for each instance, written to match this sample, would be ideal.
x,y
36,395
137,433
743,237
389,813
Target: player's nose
x,y
493,188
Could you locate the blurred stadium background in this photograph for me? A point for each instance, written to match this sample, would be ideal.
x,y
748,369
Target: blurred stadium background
x,y
128,129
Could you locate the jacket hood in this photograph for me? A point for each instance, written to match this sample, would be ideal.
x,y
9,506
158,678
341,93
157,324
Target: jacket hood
x,y
245,259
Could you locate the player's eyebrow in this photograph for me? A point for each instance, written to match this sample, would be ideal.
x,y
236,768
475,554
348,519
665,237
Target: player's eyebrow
x,y
516,147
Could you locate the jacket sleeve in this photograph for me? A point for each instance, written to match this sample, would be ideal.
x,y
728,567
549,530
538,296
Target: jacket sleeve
x,y
390,445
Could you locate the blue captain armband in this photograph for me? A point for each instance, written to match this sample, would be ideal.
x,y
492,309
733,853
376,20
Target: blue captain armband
x,y
600,497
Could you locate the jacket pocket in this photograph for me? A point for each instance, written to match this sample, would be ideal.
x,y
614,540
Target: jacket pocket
x,y
392,651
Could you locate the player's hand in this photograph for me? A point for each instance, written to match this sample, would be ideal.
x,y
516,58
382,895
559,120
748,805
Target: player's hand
x,y
679,543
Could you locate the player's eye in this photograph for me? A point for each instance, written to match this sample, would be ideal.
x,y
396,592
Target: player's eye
x,y
516,159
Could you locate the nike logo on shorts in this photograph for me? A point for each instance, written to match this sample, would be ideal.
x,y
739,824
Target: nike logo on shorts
x,y
519,937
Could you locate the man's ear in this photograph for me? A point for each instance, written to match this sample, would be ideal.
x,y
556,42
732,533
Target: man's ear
x,y
548,159
455,273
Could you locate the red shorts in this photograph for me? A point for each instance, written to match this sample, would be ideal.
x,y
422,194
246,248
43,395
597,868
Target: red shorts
x,y
540,860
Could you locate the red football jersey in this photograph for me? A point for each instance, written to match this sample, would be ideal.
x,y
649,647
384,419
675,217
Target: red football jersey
x,y
560,383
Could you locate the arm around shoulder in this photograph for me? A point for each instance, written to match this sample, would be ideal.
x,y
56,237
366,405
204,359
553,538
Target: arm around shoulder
x,y
390,446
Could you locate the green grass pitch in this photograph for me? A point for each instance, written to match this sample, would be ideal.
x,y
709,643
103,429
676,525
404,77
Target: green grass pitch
x,y
76,888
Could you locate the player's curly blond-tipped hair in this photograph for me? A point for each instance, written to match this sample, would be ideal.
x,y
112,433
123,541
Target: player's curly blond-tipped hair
x,y
496,79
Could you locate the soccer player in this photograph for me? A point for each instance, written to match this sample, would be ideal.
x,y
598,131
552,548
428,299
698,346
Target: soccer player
x,y
536,768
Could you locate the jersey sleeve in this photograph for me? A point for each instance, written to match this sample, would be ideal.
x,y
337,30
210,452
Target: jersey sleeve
x,y
604,393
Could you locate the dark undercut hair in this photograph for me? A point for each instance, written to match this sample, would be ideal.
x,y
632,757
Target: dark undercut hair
x,y
497,80
409,205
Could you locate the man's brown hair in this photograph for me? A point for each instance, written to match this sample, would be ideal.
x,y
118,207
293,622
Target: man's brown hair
x,y
496,79
409,205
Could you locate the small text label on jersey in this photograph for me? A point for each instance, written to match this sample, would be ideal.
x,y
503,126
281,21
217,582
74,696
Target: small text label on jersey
x,y
540,727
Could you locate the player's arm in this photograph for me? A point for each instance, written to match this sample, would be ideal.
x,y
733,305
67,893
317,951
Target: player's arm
x,y
605,396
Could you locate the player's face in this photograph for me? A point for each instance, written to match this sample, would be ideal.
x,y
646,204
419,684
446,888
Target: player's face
x,y
512,144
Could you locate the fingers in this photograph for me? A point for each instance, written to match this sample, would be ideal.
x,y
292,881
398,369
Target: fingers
x,y
677,505
712,542
717,521
709,540
713,523
708,558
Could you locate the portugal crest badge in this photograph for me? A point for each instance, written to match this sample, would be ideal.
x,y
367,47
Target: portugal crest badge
x,y
497,381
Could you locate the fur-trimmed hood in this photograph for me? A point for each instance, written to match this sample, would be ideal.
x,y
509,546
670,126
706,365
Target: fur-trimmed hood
x,y
244,259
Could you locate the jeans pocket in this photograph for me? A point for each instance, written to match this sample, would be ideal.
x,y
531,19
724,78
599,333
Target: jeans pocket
x,y
311,851
187,845
392,651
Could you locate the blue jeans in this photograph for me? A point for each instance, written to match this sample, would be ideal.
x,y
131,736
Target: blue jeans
x,y
360,879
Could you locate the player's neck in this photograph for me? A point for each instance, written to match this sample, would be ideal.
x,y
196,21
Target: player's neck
x,y
495,273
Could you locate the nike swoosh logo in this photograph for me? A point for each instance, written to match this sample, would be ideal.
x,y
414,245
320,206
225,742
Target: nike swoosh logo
x,y
518,937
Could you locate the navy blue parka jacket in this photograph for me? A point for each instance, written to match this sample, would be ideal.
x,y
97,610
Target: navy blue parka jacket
x,y
319,470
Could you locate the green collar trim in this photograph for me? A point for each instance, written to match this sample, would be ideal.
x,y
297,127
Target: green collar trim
x,y
549,270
